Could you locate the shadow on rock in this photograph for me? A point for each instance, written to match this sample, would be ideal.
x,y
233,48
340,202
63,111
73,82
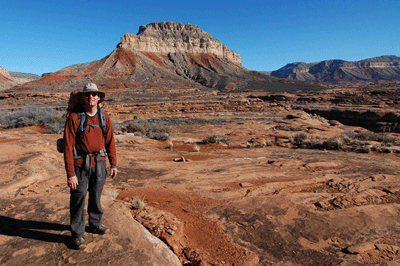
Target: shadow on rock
x,y
36,230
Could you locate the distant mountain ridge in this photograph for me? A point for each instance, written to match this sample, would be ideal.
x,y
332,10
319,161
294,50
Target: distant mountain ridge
x,y
23,77
333,71
165,55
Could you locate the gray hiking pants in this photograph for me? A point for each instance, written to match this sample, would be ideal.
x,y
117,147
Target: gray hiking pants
x,y
93,182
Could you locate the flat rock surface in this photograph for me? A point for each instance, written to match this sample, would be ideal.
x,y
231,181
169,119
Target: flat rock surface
x,y
34,213
238,203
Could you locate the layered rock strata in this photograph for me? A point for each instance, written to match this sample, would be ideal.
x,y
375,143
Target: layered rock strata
x,y
5,79
4,72
172,37
9,79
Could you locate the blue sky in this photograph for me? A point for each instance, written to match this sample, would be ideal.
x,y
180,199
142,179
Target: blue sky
x,y
45,36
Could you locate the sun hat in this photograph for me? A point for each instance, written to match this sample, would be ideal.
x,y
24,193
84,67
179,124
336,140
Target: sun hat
x,y
91,87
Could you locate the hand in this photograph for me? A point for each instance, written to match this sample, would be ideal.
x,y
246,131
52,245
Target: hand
x,y
113,172
72,182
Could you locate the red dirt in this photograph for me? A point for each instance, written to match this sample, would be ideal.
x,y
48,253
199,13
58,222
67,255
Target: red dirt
x,y
202,234
206,60
155,57
126,57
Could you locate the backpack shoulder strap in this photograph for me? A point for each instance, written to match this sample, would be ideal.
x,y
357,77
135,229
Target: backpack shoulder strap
x,y
102,122
82,124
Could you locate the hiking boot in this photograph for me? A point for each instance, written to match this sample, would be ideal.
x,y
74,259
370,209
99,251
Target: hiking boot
x,y
100,229
78,243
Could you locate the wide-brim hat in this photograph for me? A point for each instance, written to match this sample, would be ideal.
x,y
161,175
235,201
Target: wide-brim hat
x,y
91,87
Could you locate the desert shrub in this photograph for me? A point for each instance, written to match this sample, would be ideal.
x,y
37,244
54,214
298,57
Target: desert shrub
x,y
314,144
374,148
350,134
215,139
303,140
49,118
299,139
361,136
150,129
386,139
196,148
282,127
385,150
138,126
366,135
363,150
173,121
158,135
363,142
170,144
211,139
359,140
225,141
137,203
335,143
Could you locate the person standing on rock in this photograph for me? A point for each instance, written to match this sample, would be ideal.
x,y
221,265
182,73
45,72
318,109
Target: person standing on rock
x,y
86,144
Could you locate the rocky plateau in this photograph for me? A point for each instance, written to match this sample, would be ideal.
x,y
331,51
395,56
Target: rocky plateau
x,y
258,170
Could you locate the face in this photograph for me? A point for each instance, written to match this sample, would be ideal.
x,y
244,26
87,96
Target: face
x,y
91,98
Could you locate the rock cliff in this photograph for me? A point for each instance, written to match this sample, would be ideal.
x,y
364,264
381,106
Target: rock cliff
x,y
10,79
4,72
334,71
5,79
172,37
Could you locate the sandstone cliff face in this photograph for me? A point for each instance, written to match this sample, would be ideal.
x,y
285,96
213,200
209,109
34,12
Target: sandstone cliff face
x,y
332,71
10,79
172,37
4,72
